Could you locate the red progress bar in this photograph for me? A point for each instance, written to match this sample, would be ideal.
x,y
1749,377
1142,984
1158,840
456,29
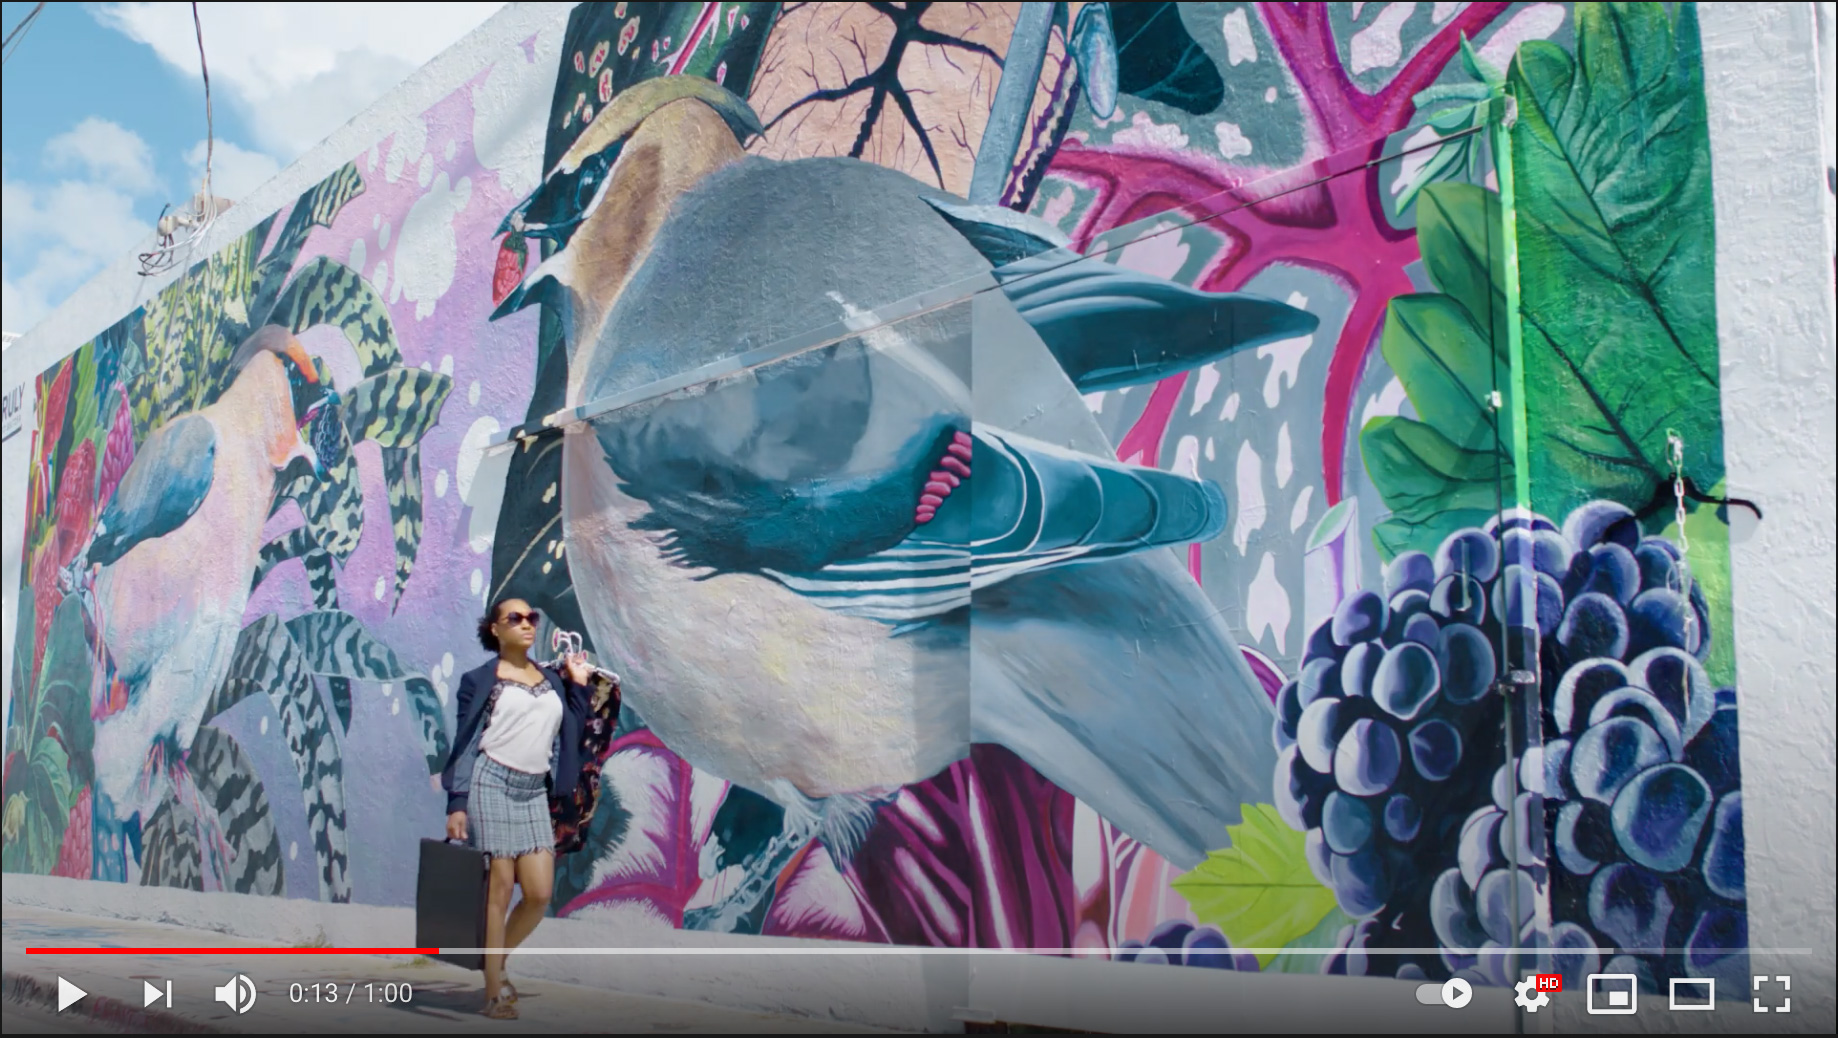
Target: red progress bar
x,y
232,951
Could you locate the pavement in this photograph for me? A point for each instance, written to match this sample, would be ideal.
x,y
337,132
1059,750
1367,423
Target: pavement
x,y
430,997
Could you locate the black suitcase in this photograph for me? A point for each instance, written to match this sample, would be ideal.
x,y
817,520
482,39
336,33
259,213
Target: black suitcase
x,y
450,901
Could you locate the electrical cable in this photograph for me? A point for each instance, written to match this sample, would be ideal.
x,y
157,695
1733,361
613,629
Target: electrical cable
x,y
204,208
10,45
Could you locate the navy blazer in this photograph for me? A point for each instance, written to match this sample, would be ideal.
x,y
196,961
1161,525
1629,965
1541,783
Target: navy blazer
x,y
474,693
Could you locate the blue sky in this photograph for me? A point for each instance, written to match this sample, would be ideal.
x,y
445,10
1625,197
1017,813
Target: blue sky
x,y
102,115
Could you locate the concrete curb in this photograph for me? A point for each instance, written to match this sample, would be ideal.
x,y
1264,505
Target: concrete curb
x,y
41,993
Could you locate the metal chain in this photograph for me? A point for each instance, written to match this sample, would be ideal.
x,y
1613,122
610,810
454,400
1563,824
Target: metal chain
x,y
1676,452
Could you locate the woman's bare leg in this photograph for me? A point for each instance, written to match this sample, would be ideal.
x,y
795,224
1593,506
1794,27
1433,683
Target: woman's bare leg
x,y
536,875
497,908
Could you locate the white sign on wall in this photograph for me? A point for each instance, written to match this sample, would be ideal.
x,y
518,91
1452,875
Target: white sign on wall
x,y
14,409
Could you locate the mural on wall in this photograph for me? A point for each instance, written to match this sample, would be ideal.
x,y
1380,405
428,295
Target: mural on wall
x,y
1046,474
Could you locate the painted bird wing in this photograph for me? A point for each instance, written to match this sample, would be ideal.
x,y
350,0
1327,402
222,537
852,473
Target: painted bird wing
x,y
1027,505
167,482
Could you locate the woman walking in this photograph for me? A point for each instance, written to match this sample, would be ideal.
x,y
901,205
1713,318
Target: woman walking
x,y
519,742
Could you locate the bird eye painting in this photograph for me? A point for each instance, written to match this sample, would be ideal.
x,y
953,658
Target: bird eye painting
x,y
1223,485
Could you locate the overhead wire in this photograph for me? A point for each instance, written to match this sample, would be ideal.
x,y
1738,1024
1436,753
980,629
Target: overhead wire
x,y
197,220
10,45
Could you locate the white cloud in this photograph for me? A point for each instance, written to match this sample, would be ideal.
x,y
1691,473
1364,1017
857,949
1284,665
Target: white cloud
x,y
235,171
299,71
108,152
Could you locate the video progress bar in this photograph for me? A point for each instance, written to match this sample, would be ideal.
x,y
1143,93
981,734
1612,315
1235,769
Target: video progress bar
x,y
864,949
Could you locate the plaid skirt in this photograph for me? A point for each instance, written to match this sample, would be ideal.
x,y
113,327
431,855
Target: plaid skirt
x,y
509,810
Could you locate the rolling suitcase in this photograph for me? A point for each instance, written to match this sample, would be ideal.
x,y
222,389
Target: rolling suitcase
x,y
450,901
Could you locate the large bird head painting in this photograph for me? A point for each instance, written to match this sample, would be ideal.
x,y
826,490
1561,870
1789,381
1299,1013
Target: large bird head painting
x,y
785,555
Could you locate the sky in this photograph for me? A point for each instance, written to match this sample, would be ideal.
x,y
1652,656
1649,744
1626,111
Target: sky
x,y
102,116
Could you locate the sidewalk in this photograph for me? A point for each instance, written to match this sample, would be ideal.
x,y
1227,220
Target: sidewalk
x,y
445,999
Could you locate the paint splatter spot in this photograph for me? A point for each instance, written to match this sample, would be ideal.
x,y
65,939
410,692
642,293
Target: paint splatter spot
x,y
1240,47
440,483
263,726
1285,462
1230,411
547,566
1210,454
381,588
446,365
1378,45
446,663
1204,387
478,581
549,494
395,706
293,850
1285,356
1299,514
472,393
1094,402
1232,141
1269,95
1144,132
1267,605
388,689
1250,496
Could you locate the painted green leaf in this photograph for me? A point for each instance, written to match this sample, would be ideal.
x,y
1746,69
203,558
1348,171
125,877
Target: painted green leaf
x,y
1259,892
334,643
326,291
318,206
1616,247
1306,958
402,474
1448,467
298,543
431,719
1158,60
396,407
171,852
229,785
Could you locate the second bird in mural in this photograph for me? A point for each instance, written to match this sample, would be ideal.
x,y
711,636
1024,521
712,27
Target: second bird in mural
x,y
827,562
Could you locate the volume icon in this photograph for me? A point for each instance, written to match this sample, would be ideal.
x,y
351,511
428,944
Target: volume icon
x,y
238,994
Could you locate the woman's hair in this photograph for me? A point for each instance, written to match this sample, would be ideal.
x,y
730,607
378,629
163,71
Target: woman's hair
x,y
486,638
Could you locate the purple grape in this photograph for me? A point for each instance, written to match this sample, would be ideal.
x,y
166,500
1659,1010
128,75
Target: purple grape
x,y
1614,571
1422,629
1469,552
1656,620
1367,759
1501,786
1574,954
1320,856
1607,755
1680,682
1718,947
1630,906
1601,522
1639,703
1406,681
1402,818
1360,883
1320,677
1410,571
1321,642
1452,912
1127,951
1435,748
1556,768
1346,821
1411,971
1714,753
1289,707
1514,520
1357,670
1152,957
1361,617
1493,902
1543,550
1318,733
1208,949
1659,816
1466,663
1522,833
1459,599
1658,566
1169,935
1593,626
1479,849
1724,865
1513,601
1298,790
1576,850
1405,606
1582,685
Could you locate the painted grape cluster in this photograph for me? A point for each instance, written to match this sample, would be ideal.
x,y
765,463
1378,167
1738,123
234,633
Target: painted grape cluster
x,y
1392,759
1180,943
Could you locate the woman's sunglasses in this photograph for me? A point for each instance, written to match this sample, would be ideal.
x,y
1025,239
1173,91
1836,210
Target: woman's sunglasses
x,y
514,619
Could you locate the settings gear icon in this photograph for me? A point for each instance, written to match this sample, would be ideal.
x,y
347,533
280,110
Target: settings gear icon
x,y
1528,997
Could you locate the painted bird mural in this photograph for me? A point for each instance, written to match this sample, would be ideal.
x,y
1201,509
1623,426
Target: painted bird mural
x,y
168,563
831,551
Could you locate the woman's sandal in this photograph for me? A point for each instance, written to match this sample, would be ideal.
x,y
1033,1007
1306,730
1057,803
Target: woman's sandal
x,y
499,1009
508,993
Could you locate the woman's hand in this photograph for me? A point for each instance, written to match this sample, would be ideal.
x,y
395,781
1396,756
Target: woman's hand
x,y
577,669
456,825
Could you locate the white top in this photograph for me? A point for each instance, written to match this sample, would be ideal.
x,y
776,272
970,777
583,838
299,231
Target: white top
x,y
521,734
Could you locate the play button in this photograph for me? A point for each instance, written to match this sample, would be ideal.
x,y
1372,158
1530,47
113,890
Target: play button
x,y
68,994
